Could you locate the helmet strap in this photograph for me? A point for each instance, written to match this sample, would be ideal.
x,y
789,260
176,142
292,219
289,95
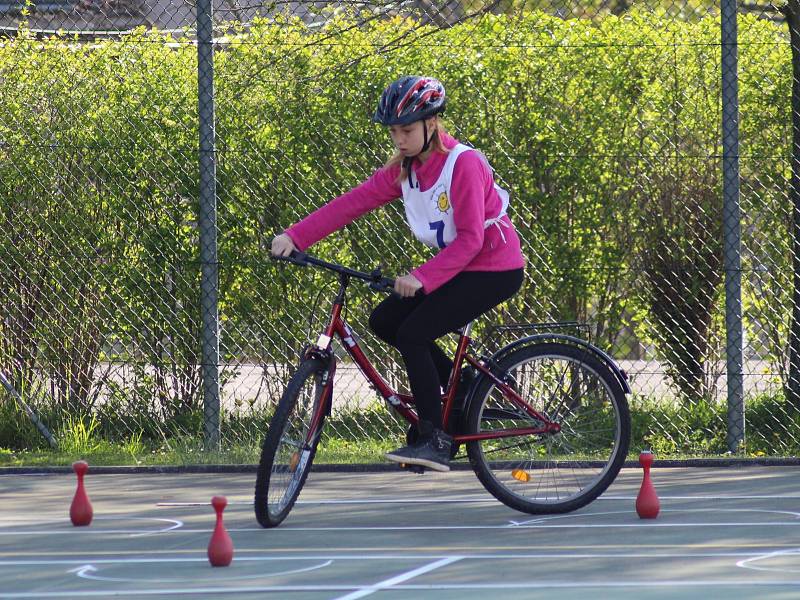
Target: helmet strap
x,y
407,166
427,141
408,160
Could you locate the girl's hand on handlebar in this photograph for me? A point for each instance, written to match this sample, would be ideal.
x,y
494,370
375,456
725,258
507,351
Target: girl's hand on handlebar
x,y
407,286
282,245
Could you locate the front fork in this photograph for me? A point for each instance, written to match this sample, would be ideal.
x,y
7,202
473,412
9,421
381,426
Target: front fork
x,y
323,403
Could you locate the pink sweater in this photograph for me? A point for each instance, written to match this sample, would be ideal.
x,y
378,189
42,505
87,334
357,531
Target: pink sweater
x,y
474,200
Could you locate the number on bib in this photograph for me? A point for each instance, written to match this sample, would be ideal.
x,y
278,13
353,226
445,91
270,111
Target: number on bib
x,y
438,227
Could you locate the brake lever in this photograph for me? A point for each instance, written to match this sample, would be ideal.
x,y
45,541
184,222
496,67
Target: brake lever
x,y
382,284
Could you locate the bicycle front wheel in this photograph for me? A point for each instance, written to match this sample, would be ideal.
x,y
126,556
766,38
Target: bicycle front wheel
x,y
290,445
550,472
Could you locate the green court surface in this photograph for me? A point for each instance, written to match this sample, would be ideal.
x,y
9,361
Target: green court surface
x,y
727,533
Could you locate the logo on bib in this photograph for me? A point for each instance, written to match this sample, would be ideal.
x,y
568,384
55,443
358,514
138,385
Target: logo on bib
x,y
440,200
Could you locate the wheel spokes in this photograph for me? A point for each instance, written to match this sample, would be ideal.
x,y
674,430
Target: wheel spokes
x,y
562,464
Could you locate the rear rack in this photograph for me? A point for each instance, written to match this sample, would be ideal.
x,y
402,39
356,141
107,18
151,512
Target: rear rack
x,y
498,336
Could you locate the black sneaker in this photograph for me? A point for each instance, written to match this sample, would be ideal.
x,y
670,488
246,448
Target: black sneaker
x,y
412,435
432,452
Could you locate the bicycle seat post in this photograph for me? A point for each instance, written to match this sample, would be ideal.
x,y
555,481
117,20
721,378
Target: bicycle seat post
x,y
464,341
464,332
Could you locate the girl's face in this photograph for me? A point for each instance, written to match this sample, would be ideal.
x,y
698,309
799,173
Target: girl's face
x,y
409,139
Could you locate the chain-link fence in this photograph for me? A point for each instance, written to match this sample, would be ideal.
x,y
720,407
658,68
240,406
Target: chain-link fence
x,y
150,149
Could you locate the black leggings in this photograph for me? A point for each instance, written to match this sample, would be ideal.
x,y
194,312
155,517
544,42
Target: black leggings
x,y
412,324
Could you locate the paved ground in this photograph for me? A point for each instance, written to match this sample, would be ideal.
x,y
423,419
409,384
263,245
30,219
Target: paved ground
x,y
722,533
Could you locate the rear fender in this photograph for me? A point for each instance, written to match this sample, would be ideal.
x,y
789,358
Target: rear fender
x,y
492,362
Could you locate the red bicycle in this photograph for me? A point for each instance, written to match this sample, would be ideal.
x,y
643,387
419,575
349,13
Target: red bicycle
x,y
545,420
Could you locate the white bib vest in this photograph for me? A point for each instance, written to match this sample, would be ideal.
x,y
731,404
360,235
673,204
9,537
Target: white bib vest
x,y
430,214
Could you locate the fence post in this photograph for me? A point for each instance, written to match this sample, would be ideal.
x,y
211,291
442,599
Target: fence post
x,y
209,278
732,225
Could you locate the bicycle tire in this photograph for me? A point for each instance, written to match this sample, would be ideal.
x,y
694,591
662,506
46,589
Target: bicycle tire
x,y
554,472
285,457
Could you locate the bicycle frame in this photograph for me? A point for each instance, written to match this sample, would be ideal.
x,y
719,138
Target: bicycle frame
x,y
566,379
337,327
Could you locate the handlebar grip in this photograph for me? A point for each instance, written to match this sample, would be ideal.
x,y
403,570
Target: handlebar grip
x,y
387,285
376,282
383,285
298,258
417,294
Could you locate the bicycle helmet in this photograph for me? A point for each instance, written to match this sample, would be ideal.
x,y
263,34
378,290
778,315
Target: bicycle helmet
x,y
407,100
410,98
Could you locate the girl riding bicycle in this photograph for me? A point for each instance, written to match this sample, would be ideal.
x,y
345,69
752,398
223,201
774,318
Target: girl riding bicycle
x,y
452,204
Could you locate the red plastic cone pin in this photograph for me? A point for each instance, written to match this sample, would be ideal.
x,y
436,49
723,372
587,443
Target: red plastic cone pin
x,y
80,512
220,548
647,504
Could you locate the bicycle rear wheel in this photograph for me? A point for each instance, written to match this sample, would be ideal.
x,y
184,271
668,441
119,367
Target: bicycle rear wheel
x,y
289,449
550,472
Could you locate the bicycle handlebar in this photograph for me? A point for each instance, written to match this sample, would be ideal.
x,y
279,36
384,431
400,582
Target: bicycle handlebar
x,y
376,279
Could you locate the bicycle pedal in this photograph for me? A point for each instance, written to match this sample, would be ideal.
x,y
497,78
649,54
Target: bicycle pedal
x,y
418,469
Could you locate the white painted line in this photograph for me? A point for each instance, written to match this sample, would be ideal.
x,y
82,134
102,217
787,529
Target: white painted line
x,y
721,497
479,500
89,572
392,582
549,518
89,531
230,503
182,559
395,557
748,562
546,522
30,521
395,500
535,524
355,501
643,524
528,585
174,524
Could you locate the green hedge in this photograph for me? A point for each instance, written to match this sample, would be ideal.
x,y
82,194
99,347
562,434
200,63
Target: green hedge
x,y
595,126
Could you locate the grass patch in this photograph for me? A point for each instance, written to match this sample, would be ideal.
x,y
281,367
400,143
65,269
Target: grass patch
x,y
363,436
772,428
349,452
331,451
